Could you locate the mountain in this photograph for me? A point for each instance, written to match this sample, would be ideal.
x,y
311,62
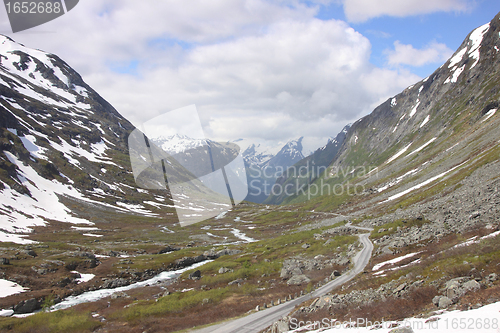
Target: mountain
x,y
431,151
177,143
306,170
264,167
257,153
64,151
263,163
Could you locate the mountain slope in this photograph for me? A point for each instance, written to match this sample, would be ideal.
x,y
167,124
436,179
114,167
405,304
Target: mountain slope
x,y
421,144
64,148
306,170
263,167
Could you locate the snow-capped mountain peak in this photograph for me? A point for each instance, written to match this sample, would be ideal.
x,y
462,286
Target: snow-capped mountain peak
x,y
177,143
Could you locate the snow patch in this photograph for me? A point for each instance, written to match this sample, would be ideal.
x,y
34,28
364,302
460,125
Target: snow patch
x,y
476,38
8,288
397,180
221,215
15,238
414,110
428,181
422,146
399,153
489,114
457,57
393,261
442,322
83,277
426,120
85,228
454,77
29,143
242,236
96,153
136,208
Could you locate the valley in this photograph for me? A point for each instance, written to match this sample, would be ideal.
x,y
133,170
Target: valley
x,y
401,220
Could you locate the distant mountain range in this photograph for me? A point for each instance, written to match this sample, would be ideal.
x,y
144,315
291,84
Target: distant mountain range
x,y
264,163
264,167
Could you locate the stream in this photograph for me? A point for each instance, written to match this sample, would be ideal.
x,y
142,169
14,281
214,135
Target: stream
x,y
95,295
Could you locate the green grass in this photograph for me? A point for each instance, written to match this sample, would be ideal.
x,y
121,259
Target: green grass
x,y
392,227
266,257
259,261
53,322
173,303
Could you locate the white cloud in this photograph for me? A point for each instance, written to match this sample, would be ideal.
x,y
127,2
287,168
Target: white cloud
x,y
406,54
363,10
254,69
284,83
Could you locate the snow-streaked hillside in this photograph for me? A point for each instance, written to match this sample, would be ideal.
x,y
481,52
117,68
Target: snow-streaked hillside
x,y
62,144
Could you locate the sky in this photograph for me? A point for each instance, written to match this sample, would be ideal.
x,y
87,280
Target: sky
x,y
267,71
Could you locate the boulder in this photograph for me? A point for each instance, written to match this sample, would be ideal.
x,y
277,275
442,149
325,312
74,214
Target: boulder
x,y
196,275
167,249
64,282
444,302
87,255
213,254
335,273
441,302
456,288
297,280
280,326
401,287
115,283
4,261
492,277
223,270
237,281
30,253
184,262
287,273
27,306
471,285
119,294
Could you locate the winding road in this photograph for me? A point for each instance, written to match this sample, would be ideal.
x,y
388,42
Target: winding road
x,y
258,321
